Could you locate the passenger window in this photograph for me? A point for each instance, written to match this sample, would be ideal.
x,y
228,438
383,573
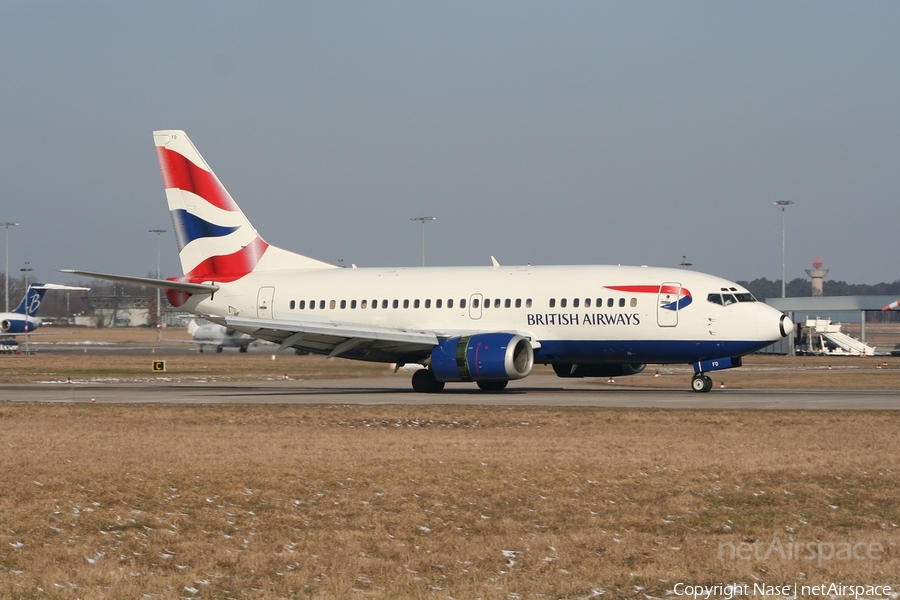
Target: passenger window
x,y
321,304
450,303
292,304
331,304
462,303
406,303
343,304
518,303
394,304
552,302
487,303
428,303
633,302
507,303
599,303
416,303
610,302
621,302
528,303
364,304
374,304
301,305
353,304
474,302
496,302
437,303
562,303
575,303
587,302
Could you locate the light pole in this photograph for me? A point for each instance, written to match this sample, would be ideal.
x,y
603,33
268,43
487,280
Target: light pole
x,y
7,224
158,233
782,204
423,220
26,270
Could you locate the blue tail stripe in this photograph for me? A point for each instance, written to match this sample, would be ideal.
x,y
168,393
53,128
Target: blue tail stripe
x,y
189,227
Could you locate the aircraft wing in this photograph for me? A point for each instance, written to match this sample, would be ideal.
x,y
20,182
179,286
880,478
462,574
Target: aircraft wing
x,y
336,339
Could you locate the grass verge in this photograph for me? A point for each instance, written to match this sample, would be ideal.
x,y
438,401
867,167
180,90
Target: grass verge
x,y
121,501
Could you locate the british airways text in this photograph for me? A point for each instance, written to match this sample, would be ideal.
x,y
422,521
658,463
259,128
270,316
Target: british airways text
x,y
583,319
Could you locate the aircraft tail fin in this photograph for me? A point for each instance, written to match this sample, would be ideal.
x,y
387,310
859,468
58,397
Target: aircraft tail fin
x,y
31,301
192,326
216,242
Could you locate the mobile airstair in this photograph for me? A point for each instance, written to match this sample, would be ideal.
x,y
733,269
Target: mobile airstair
x,y
821,336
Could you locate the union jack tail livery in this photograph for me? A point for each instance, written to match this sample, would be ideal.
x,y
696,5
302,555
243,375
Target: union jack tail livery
x,y
216,242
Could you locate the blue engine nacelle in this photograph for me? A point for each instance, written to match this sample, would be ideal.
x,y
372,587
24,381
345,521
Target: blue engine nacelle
x,y
17,325
482,357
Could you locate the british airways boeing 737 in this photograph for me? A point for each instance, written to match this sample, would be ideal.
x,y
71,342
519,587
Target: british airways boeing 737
x,y
487,325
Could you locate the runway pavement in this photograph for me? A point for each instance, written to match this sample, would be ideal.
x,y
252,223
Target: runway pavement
x,y
535,391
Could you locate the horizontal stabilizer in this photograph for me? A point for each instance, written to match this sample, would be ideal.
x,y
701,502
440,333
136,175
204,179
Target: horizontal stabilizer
x,y
57,286
163,284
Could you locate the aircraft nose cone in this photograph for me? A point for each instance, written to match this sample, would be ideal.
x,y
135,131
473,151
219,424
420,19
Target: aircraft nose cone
x,y
786,326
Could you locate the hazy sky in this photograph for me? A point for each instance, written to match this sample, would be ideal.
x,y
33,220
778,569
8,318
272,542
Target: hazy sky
x,y
544,133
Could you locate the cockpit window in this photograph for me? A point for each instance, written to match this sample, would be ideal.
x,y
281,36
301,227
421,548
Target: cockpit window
x,y
730,297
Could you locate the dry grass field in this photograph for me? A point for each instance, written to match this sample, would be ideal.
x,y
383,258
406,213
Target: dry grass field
x,y
290,501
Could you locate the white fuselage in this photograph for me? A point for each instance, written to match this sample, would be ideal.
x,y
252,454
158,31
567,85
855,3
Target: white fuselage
x,y
571,313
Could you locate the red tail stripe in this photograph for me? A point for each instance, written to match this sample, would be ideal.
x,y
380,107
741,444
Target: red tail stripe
x,y
230,267
180,173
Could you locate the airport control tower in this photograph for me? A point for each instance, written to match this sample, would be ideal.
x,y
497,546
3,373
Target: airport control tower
x,y
817,274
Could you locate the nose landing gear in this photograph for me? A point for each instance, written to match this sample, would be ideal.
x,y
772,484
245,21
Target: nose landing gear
x,y
701,383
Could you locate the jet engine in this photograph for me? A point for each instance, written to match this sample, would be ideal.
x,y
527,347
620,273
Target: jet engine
x,y
16,326
603,370
482,357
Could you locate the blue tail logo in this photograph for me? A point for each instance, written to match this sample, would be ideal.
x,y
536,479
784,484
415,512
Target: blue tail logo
x,y
32,300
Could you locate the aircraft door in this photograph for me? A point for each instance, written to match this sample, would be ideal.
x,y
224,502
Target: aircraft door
x,y
264,300
668,305
475,302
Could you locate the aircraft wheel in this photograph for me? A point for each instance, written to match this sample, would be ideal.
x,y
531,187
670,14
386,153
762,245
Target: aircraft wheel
x,y
219,348
424,381
701,383
243,349
493,386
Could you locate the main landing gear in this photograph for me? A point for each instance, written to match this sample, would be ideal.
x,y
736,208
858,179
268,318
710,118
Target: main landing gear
x,y
701,383
424,381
